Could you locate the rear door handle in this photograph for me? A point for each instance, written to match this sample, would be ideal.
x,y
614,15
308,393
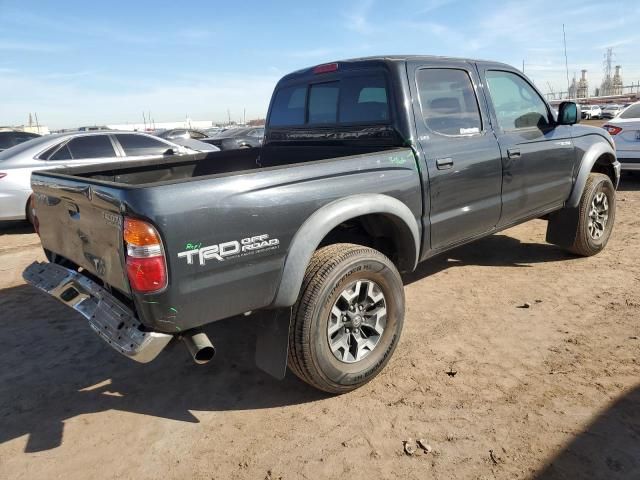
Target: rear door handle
x,y
444,163
513,153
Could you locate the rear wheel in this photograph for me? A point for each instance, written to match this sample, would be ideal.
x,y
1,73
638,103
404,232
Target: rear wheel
x,y
348,318
29,212
597,213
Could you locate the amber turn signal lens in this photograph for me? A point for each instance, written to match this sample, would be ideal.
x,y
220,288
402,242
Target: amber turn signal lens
x,y
139,233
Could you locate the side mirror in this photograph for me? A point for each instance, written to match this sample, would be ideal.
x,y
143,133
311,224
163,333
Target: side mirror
x,y
568,114
172,151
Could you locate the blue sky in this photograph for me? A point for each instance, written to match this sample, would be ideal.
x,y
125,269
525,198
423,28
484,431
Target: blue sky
x,y
83,62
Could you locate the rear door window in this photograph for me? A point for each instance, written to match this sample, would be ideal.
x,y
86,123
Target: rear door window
x,y
448,101
62,154
91,146
632,112
139,145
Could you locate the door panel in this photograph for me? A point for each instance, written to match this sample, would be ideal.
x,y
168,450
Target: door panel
x,y
461,153
537,155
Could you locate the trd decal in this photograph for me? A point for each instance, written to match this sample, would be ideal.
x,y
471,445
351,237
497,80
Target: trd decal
x,y
234,248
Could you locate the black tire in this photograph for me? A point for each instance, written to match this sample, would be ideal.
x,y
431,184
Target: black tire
x,y
29,212
331,270
585,243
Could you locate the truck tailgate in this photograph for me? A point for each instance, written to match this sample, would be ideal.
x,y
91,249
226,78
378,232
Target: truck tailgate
x,y
82,223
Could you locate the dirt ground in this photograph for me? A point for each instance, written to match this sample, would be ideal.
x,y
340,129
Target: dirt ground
x,y
546,392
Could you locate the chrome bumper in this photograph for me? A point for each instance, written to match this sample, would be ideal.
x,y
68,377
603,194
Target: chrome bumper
x,y
108,317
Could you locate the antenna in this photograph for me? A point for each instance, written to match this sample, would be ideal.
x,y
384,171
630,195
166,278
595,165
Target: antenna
x,y
566,62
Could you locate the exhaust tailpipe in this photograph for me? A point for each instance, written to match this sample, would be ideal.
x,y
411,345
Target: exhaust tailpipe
x,y
199,346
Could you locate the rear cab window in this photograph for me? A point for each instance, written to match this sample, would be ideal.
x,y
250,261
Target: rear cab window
x,y
355,98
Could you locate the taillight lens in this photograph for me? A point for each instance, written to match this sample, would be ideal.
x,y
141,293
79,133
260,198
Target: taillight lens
x,y
612,129
146,264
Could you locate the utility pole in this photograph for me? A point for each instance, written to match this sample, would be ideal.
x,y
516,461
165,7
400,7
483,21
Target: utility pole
x,y
228,117
523,65
144,121
566,62
37,122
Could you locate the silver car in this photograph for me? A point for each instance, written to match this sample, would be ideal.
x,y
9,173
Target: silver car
x,y
625,130
611,111
72,149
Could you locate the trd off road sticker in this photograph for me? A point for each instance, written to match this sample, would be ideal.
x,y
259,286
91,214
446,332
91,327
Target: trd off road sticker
x,y
220,252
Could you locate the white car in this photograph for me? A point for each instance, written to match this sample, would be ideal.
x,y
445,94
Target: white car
x,y
611,111
591,111
72,149
625,130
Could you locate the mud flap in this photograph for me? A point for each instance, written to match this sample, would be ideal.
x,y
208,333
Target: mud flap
x,y
272,343
563,227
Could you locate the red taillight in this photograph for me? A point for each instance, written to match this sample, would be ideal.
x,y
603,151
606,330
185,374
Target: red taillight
x,y
147,274
613,130
146,264
326,68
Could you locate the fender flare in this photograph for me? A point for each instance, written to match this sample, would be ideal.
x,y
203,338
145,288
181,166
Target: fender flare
x,y
589,159
321,222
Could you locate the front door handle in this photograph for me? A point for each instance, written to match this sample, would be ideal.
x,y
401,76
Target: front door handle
x,y
444,163
513,153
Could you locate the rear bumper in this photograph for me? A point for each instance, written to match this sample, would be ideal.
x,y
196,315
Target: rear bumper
x,y
115,323
629,159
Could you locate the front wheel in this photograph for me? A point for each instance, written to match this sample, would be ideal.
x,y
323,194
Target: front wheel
x,y
597,213
348,318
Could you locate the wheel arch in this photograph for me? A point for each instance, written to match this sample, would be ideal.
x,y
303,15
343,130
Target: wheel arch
x,y
600,157
372,212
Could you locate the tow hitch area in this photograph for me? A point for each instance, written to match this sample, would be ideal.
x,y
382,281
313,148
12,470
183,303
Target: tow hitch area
x,y
107,316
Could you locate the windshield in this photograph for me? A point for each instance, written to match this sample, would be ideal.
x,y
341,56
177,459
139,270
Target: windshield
x,y
24,146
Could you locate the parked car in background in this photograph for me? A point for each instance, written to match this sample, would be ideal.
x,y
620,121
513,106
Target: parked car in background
x,y
182,133
236,138
73,149
591,111
213,131
625,130
11,138
611,111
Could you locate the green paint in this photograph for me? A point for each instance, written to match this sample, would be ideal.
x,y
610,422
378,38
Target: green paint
x,y
192,246
173,309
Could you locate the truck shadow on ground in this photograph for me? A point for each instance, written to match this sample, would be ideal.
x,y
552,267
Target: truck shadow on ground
x,y
15,228
629,182
54,368
494,251
609,448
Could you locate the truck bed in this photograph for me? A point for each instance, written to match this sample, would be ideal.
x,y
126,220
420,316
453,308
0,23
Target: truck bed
x,y
200,201
176,169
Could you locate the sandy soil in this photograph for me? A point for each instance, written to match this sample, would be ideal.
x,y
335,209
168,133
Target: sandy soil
x,y
546,392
